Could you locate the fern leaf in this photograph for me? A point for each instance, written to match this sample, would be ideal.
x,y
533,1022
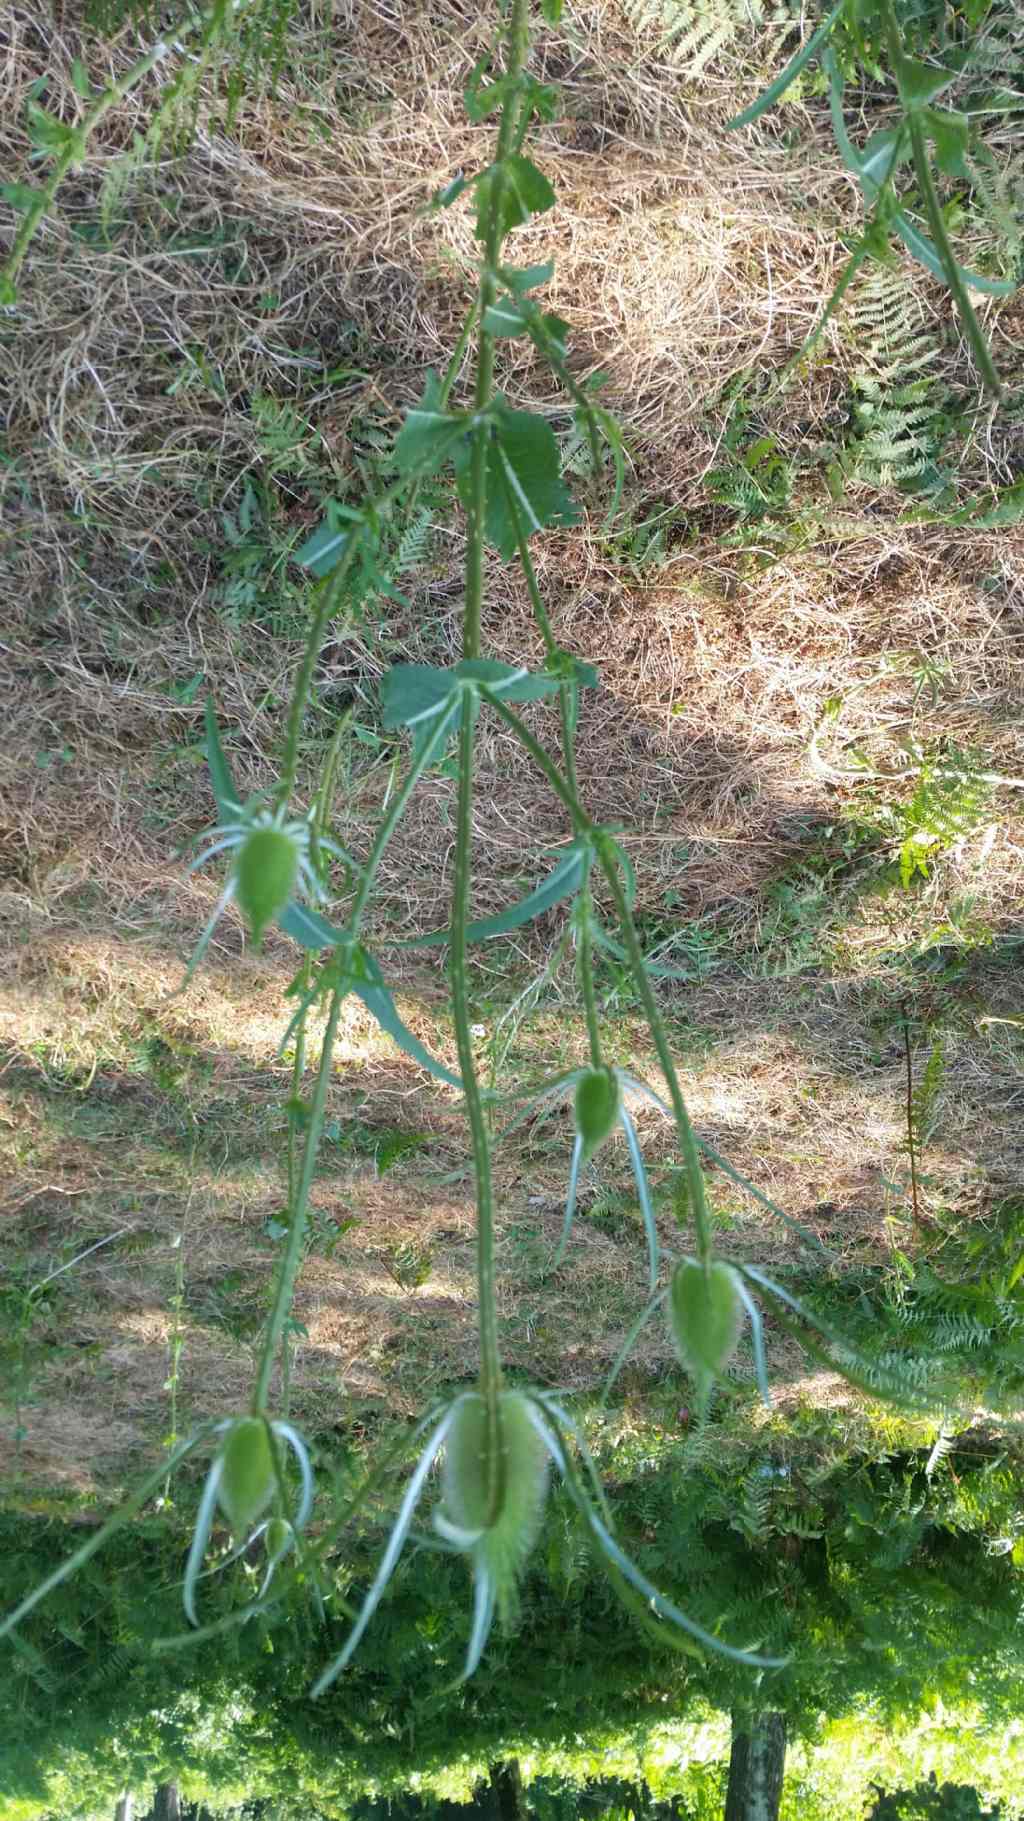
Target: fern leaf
x,y
694,33
897,399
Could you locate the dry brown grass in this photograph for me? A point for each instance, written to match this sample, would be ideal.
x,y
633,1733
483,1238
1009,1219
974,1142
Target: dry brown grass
x,y
298,243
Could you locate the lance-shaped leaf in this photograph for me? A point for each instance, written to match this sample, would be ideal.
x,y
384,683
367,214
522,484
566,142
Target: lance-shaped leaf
x,y
22,196
949,133
325,547
373,992
563,881
521,279
792,70
311,931
512,317
443,198
356,971
919,83
227,798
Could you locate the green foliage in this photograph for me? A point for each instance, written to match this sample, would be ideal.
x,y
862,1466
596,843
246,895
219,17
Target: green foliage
x,y
887,1584
898,422
244,46
933,1802
954,1319
922,49
513,190
524,488
949,802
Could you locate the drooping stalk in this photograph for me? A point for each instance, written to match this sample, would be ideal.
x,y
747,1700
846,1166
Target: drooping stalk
x,y
284,1288
604,850
656,1025
74,150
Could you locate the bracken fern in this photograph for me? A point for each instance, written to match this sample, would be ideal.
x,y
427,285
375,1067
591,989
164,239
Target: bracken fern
x,y
692,33
897,396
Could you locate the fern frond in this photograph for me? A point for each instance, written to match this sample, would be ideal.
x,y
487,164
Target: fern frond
x,y
999,199
897,399
692,33
924,1105
415,541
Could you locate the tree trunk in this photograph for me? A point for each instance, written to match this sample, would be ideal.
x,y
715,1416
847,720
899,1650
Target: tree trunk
x,y
507,1785
166,1803
757,1765
125,1804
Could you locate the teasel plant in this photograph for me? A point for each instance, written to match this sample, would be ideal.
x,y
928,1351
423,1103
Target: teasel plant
x,y
495,1447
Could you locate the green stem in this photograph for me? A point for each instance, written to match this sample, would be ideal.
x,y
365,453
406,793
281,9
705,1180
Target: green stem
x,y
75,149
393,814
518,41
585,969
580,820
933,212
451,372
326,606
687,1136
567,711
490,1364
289,1268
540,612
631,941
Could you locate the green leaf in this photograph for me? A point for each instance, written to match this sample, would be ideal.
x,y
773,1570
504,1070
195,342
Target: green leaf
x,y
919,82
443,198
512,684
412,694
227,797
429,433
47,133
325,547
479,102
540,98
552,10
521,279
949,133
310,930
507,317
1006,509
361,974
22,196
80,79
516,189
792,70
955,278
563,881
379,1003
525,491
868,174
